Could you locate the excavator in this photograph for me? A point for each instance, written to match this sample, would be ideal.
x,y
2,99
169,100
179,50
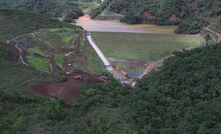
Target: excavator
x,y
78,77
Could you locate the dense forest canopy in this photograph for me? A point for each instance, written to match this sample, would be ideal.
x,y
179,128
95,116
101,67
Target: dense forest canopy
x,y
166,8
164,12
183,96
14,22
52,8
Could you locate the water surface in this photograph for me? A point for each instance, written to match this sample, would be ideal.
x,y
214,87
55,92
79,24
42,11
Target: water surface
x,y
115,26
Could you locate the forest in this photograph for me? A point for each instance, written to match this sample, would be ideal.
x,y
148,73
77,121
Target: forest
x,y
12,23
51,8
164,12
182,96
165,9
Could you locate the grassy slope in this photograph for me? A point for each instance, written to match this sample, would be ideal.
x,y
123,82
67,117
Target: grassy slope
x,y
37,62
14,22
143,47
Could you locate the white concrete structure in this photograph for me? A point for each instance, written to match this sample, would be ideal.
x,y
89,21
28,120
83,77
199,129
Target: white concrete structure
x,y
99,52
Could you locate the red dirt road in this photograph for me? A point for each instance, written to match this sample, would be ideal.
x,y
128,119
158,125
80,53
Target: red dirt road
x,y
148,69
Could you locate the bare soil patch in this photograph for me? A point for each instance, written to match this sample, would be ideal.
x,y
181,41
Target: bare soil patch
x,y
68,90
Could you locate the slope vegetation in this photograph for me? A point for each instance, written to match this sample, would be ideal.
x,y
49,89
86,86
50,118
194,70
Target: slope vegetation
x,y
162,9
183,97
14,22
192,15
52,8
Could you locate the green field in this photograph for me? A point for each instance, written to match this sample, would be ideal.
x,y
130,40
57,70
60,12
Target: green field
x,y
143,47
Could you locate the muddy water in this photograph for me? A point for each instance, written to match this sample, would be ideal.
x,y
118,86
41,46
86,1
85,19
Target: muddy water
x,y
115,26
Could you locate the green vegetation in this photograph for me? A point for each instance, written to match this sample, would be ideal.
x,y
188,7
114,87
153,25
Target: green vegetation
x,y
78,66
86,6
37,62
94,63
56,37
17,106
183,91
165,9
59,37
211,38
96,11
59,61
182,97
14,22
52,8
131,18
159,64
192,26
164,12
143,47
216,25
68,20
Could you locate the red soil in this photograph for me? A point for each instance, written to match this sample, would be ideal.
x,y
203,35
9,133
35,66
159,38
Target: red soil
x,y
173,18
149,68
148,16
67,90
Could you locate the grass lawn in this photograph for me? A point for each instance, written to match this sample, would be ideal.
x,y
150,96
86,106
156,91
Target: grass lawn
x,y
143,47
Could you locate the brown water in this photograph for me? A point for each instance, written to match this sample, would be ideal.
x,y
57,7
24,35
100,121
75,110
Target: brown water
x,y
115,26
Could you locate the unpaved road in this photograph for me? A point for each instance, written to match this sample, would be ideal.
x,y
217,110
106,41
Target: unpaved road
x,y
204,40
219,36
149,68
69,89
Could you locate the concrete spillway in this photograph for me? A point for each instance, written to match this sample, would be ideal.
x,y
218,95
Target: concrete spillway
x,y
100,53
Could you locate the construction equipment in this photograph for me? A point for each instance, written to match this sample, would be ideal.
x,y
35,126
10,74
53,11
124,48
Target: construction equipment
x,y
78,77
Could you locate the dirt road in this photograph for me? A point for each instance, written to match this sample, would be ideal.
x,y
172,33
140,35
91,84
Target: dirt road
x,y
149,68
69,89
218,35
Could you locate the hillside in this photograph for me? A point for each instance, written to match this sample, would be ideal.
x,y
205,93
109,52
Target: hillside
x,y
52,8
192,13
183,97
167,10
14,22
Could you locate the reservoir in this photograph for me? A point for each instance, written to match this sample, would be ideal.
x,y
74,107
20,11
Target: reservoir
x,y
115,26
